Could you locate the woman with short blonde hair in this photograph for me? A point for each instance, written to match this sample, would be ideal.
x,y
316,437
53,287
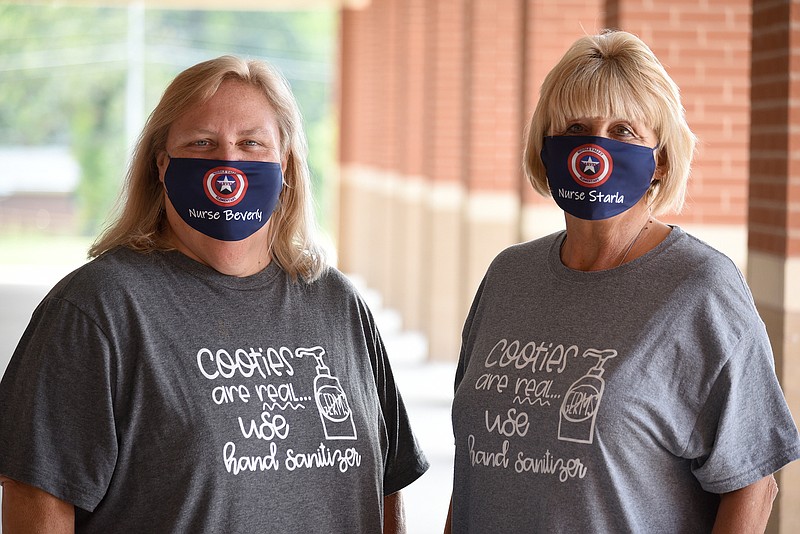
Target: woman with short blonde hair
x,y
615,74
615,376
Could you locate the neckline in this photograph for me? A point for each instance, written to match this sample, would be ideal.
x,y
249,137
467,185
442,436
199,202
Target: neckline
x,y
561,271
203,272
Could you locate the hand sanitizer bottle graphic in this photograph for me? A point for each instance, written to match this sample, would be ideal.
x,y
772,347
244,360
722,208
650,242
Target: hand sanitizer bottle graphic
x,y
578,411
334,410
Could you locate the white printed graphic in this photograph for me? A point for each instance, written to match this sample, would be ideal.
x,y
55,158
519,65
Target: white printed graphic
x,y
334,410
521,393
265,393
582,400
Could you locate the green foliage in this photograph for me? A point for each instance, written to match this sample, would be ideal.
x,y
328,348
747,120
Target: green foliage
x,y
64,78
45,54
98,143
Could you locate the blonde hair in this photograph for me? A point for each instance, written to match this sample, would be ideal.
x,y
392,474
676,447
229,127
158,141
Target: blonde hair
x,y
141,224
615,75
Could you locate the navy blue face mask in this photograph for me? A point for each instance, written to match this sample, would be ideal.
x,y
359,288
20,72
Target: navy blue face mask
x,y
226,200
596,178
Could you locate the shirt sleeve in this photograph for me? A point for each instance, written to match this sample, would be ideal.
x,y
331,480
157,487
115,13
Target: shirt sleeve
x,y
57,428
466,338
405,461
745,430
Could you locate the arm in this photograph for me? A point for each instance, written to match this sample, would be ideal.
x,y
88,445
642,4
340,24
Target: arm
x,y
746,510
394,516
448,524
29,510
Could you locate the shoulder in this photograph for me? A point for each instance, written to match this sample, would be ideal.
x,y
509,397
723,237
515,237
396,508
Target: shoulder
x,y
333,280
107,281
335,290
535,250
108,269
700,264
511,270
700,253
708,287
523,257
119,267
530,249
339,301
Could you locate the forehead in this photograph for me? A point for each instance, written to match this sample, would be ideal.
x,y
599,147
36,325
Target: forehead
x,y
235,106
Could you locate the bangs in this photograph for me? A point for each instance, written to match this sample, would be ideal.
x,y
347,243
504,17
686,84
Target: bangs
x,y
605,92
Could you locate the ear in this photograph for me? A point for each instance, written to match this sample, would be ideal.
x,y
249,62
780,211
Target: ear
x,y
662,166
162,162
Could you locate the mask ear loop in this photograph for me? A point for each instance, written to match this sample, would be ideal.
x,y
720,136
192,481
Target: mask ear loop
x,y
163,208
655,184
279,212
273,230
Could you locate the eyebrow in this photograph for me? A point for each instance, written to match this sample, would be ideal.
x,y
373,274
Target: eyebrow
x,y
250,131
254,131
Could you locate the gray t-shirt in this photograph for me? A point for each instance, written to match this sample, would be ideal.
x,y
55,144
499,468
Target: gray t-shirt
x,y
158,395
623,400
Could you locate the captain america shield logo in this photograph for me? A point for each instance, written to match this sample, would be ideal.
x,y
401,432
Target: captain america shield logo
x,y
225,186
590,165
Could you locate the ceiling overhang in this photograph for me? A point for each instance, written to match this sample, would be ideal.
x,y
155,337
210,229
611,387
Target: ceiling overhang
x,y
227,5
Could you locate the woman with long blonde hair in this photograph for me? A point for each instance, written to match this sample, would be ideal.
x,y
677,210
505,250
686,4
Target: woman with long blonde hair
x,y
207,371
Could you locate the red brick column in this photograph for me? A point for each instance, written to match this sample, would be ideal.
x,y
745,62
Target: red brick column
x,y
377,217
445,154
353,137
493,135
369,142
550,28
774,227
384,210
413,136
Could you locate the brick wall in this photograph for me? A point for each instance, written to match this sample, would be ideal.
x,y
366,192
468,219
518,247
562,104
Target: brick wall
x,y
775,168
550,28
774,210
493,140
705,47
435,97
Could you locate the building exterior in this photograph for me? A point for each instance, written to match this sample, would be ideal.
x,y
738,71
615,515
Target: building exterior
x,y
37,190
435,96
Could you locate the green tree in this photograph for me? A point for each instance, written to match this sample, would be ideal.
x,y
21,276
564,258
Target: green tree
x,y
99,145
61,85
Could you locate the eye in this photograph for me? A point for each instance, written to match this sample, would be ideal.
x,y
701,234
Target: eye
x,y
623,130
575,129
201,143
